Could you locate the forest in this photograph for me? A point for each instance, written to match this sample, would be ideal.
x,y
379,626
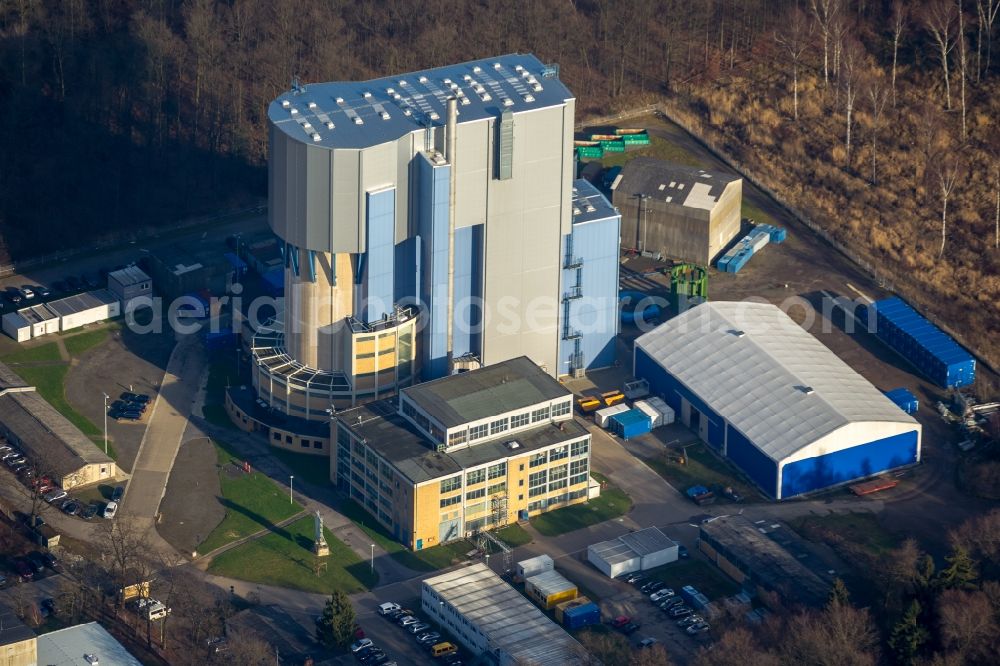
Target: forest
x,y
877,119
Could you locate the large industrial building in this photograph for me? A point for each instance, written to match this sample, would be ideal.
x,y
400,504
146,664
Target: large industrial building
x,y
676,210
495,622
427,225
771,398
53,445
463,453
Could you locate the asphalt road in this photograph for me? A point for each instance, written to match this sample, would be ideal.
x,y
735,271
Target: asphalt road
x,y
164,434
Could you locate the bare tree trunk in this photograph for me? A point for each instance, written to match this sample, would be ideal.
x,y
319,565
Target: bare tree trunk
x,y
825,11
996,227
853,52
795,40
878,97
939,18
962,65
900,14
947,176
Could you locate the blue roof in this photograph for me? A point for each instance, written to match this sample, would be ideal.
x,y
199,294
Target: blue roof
x,y
631,416
589,205
926,334
358,114
901,395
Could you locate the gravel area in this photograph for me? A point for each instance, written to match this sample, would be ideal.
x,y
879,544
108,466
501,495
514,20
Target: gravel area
x,y
189,508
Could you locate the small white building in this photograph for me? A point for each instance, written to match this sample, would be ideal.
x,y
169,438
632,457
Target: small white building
x,y
534,566
16,326
636,551
129,283
30,322
86,308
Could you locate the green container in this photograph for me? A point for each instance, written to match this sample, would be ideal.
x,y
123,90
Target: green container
x,y
589,152
636,139
613,146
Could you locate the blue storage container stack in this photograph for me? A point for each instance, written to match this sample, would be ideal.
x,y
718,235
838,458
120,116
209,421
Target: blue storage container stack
x,y
904,399
582,616
693,597
738,255
632,423
934,353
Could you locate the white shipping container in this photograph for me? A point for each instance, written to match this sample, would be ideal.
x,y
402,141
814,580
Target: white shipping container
x,y
666,411
602,416
654,414
759,242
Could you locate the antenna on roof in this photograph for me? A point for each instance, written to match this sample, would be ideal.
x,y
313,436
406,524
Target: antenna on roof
x,y
297,87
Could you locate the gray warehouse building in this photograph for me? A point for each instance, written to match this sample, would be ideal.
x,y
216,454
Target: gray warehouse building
x,y
444,194
637,551
676,210
495,622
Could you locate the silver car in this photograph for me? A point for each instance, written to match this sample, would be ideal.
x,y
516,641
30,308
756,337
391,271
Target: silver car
x,y
54,494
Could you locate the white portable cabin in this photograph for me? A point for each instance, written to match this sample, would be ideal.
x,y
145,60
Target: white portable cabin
x,y
16,326
602,416
86,308
660,412
534,566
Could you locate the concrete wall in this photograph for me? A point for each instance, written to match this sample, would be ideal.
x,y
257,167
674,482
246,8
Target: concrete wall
x,y
21,653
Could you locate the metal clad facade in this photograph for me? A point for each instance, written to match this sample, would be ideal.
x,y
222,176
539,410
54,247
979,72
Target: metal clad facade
x,y
434,190
752,461
381,226
468,290
856,462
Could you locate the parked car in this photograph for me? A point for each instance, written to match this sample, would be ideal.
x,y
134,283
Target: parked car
x,y
660,595
669,602
117,493
682,552
128,396
630,628
417,627
679,611
36,562
428,638
638,581
14,296
23,570
110,510
71,507
620,621
388,607
648,642
374,657
48,605
695,629
50,560
357,646
42,291
27,292
407,619
90,511
689,620
53,495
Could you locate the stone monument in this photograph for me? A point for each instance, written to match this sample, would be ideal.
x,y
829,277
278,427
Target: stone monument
x,y
319,544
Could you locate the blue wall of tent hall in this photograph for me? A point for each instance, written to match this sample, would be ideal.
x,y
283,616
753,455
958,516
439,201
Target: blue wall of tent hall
x,y
796,478
932,351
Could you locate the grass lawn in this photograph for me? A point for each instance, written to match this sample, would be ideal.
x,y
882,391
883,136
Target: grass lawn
x,y
284,558
252,503
429,559
659,148
748,210
701,575
514,535
856,528
309,468
77,344
701,467
47,352
612,503
49,381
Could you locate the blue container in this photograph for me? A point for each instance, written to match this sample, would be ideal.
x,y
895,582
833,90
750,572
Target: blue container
x,y
904,399
629,300
632,423
582,616
931,351
689,594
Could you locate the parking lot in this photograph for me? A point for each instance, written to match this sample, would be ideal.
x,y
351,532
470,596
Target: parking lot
x,y
400,645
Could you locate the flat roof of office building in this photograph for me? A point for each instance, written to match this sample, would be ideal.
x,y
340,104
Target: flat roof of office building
x,y
514,626
35,314
359,114
413,454
632,545
70,647
478,394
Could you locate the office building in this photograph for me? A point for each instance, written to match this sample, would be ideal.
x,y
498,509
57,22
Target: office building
x,y
463,453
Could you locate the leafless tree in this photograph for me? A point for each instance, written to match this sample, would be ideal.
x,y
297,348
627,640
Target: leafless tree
x,y
736,646
877,97
987,11
653,656
127,559
996,191
962,64
900,19
841,633
968,623
794,40
946,170
826,13
940,17
248,648
850,76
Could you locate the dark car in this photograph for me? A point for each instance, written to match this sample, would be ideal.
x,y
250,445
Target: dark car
x,y
48,606
35,561
59,285
42,291
50,560
630,628
72,283
682,552
134,397
24,570
14,296
90,511
376,656
117,493
71,507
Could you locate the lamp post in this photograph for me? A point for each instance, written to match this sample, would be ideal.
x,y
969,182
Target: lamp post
x,y
373,558
291,480
106,396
